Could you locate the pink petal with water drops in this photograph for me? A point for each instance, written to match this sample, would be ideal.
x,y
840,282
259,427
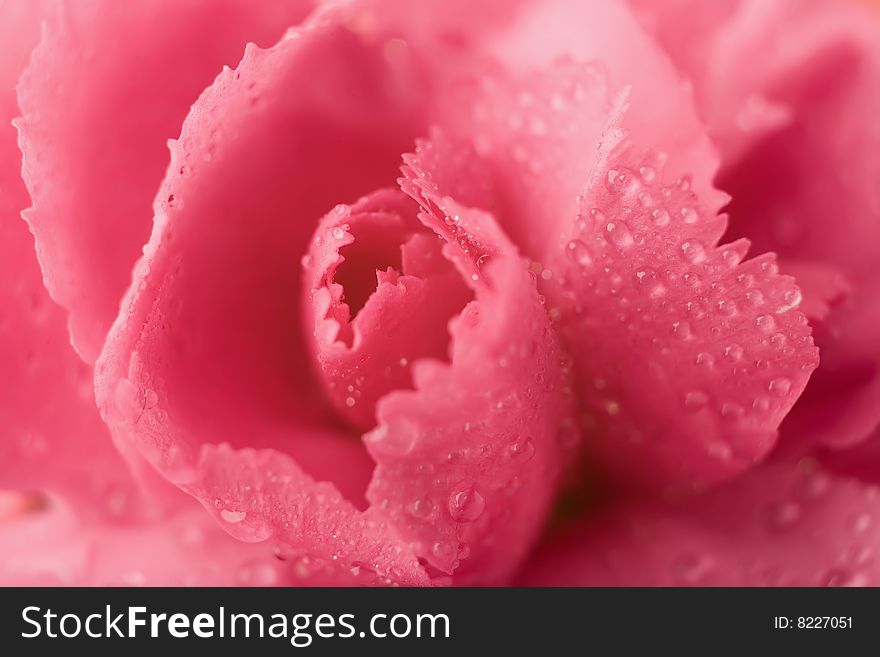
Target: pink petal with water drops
x,y
666,329
781,525
688,356
721,350
380,295
461,41
206,372
53,547
537,140
125,74
662,112
805,188
263,495
468,462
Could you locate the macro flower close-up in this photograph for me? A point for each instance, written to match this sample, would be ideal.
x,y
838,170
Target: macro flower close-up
x,y
440,293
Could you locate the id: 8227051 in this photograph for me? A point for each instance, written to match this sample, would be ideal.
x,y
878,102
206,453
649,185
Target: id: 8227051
x,y
813,622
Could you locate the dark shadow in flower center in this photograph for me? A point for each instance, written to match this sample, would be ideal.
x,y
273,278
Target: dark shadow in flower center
x,y
376,249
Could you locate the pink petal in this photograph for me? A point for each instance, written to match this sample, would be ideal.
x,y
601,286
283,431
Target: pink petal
x,y
780,526
93,169
52,436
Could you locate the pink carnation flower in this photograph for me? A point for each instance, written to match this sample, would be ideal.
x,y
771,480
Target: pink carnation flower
x,y
536,292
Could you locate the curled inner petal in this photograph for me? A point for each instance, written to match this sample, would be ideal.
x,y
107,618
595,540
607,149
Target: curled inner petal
x,y
380,295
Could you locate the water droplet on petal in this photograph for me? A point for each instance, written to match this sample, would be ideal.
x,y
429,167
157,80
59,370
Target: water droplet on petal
x,y
233,517
660,217
466,503
443,551
619,234
522,450
732,411
791,299
420,508
693,251
733,351
682,330
766,323
615,179
761,404
689,215
398,441
649,283
726,307
779,386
